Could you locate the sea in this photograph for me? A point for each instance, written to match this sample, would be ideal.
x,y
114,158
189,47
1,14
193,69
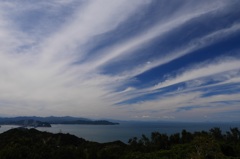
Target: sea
x,y
126,130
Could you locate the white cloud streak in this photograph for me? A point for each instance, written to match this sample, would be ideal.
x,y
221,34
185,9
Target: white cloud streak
x,y
37,75
200,72
41,78
156,31
194,45
183,105
95,18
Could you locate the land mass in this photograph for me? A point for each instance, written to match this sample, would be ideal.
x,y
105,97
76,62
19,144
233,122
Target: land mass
x,y
34,121
23,143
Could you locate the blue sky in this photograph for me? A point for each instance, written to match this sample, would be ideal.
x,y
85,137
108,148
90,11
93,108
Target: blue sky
x,y
128,60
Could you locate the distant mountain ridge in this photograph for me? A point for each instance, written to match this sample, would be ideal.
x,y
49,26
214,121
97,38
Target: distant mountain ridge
x,y
41,121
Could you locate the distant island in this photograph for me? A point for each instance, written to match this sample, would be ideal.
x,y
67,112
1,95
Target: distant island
x,y
34,121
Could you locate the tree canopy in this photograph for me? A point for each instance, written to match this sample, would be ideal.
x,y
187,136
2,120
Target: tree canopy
x,y
22,143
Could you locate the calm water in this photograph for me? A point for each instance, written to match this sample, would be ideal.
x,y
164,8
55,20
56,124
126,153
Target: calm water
x,y
127,130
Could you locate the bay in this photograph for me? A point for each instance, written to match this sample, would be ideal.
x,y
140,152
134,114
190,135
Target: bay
x,y
126,130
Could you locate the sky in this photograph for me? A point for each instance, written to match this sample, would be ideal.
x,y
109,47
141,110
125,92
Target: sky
x,y
127,60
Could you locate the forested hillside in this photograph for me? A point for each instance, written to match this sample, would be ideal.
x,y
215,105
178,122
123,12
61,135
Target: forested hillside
x,y
22,143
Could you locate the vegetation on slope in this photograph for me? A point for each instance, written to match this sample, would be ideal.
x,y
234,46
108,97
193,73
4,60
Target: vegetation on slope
x,y
24,143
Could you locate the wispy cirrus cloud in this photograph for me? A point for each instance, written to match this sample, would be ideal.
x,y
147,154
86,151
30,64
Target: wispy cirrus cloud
x,y
82,57
201,71
158,30
189,48
42,75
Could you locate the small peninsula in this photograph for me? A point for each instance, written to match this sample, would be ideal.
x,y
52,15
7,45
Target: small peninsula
x,y
33,121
